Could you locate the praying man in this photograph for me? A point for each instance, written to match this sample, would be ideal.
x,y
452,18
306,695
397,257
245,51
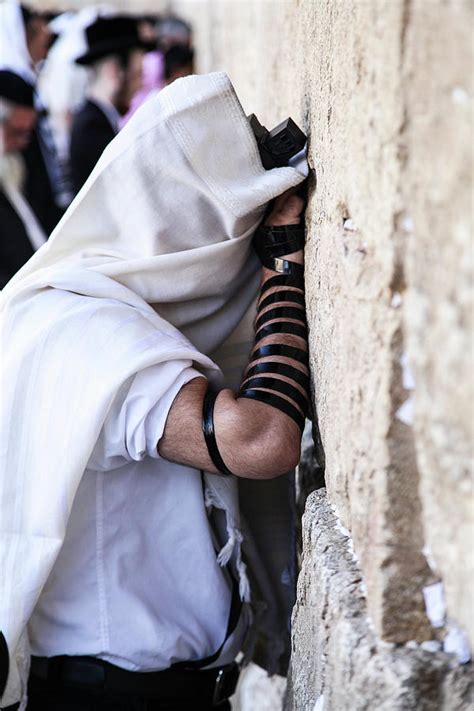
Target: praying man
x,y
154,390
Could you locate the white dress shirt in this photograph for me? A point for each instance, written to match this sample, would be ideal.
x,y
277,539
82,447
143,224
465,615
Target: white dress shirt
x,y
168,248
136,582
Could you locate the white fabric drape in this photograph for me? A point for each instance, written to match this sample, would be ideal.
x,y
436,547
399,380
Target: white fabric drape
x,y
14,53
163,229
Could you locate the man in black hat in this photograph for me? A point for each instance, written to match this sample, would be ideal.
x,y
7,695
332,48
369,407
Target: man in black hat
x,y
114,54
179,62
25,40
20,232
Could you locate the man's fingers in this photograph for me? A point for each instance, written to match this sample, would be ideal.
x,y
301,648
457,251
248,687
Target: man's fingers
x,y
286,211
281,199
294,204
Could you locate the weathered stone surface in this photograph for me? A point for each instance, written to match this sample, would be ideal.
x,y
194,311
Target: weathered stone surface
x,y
378,85
336,654
336,68
438,318
384,90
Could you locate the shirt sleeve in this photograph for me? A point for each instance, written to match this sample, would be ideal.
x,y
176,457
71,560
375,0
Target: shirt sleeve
x,y
137,416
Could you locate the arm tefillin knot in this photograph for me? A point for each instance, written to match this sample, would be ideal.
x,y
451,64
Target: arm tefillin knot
x,y
283,385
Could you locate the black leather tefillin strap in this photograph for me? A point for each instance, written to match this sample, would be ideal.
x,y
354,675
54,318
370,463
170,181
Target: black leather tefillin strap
x,y
209,432
254,382
280,312
271,244
278,369
275,241
283,295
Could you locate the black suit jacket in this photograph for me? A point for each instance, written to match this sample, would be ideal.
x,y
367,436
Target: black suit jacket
x,y
15,246
91,133
38,190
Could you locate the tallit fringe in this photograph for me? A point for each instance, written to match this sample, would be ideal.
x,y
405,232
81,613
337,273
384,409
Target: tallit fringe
x,y
209,499
226,551
244,585
232,545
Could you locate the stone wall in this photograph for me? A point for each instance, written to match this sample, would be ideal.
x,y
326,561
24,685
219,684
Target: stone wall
x,y
338,660
384,90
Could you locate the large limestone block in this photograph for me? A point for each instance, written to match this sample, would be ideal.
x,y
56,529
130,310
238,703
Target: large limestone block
x,y
335,67
338,663
438,317
356,340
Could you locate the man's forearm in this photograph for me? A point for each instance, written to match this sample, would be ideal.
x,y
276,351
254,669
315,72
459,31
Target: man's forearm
x,y
254,433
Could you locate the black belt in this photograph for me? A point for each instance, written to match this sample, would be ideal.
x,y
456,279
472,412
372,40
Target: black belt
x,y
212,686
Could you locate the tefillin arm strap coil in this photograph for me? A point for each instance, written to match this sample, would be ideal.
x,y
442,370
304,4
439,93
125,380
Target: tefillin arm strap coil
x,y
268,380
260,382
281,311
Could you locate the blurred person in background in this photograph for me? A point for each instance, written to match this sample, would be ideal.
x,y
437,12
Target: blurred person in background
x,y
47,185
24,42
179,62
173,30
147,27
169,32
62,82
133,79
114,55
38,35
20,232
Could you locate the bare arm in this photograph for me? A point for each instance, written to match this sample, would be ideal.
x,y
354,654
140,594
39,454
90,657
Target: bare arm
x,y
254,439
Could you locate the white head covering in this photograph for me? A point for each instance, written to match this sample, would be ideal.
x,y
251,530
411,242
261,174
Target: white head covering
x,y
14,53
162,228
169,212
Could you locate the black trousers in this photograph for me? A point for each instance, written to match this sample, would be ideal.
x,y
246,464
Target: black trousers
x,y
41,697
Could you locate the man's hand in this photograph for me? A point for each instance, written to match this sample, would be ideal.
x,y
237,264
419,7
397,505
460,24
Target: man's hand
x,y
286,209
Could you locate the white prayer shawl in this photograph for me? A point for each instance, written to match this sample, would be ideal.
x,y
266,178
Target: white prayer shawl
x,y
162,227
14,53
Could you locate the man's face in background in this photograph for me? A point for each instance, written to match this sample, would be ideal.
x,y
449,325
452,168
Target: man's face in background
x,y
16,130
38,38
132,80
180,71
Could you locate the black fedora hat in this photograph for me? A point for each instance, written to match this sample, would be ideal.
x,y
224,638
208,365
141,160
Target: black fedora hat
x,y
15,89
112,35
